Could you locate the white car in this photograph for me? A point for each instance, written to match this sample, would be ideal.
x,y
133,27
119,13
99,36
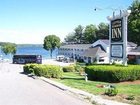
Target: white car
x,y
60,58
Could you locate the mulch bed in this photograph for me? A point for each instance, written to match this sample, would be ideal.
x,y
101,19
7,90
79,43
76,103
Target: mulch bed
x,y
130,82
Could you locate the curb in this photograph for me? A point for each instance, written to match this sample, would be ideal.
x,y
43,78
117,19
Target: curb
x,y
93,98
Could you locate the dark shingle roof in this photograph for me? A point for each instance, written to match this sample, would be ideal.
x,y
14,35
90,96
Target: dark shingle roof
x,y
93,52
106,41
134,51
129,44
99,45
77,46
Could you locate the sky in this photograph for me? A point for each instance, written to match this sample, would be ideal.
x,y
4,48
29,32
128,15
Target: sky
x,y
29,21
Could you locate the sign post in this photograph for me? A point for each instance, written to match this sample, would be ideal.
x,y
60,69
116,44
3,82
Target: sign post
x,y
118,36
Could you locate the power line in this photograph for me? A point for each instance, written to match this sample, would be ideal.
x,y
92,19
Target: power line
x,y
107,8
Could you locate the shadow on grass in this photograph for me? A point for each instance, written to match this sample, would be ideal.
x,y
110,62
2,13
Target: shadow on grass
x,y
73,78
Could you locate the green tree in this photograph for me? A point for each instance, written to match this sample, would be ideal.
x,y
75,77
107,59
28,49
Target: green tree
x,y
70,37
79,34
9,48
103,31
51,42
134,22
90,33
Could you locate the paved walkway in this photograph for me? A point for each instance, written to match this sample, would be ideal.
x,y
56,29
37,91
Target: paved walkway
x,y
19,89
54,62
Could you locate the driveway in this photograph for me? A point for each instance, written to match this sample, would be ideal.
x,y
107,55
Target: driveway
x,y
19,89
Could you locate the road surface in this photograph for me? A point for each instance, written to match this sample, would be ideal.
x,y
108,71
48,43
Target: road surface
x,y
17,88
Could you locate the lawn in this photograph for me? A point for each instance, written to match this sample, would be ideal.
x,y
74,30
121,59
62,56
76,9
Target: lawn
x,y
76,81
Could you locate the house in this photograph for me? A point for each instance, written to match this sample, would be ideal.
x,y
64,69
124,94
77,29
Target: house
x,y
134,54
96,52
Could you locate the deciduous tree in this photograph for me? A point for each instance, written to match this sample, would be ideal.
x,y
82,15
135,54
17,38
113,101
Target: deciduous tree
x,y
9,48
134,23
103,31
79,33
70,37
90,33
51,42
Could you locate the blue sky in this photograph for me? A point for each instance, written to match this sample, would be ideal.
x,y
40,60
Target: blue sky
x,y
29,21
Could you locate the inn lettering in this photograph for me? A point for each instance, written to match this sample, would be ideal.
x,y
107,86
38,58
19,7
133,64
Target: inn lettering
x,y
116,30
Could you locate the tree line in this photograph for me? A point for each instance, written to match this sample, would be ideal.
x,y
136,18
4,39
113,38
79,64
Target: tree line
x,y
91,33
88,34
134,22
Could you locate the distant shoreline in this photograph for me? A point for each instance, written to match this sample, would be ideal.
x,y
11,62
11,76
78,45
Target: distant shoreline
x,y
29,45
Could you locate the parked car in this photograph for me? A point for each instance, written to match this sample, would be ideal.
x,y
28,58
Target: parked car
x,y
60,58
66,59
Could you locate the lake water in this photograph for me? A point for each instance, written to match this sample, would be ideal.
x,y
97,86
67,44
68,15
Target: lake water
x,y
37,50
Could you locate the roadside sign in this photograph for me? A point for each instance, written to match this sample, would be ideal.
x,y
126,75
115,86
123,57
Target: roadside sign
x,y
118,36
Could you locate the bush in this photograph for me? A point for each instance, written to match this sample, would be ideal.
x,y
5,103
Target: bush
x,y
29,68
112,73
111,90
130,97
79,69
69,68
48,71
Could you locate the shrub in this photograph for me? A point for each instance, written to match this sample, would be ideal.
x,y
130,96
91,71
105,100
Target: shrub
x,y
48,71
79,69
111,90
130,97
69,68
29,68
112,73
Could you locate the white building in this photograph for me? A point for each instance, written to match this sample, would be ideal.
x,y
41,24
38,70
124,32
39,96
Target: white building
x,y
73,50
98,51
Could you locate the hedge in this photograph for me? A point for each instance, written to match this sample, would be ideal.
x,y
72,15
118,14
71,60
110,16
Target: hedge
x,y
112,73
49,71
70,68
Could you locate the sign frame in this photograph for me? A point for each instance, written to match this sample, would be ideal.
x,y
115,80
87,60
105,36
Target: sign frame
x,y
121,50
119,25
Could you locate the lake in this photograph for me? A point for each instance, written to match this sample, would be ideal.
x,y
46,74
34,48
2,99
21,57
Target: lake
x,y
37,50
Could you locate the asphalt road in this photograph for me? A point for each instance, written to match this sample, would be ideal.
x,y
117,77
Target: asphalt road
x,y
17,88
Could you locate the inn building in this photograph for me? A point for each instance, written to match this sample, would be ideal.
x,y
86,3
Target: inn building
x,y
97,52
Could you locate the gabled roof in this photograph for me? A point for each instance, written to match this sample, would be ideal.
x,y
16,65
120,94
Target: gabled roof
x,y
129,44
86,46
93,52
99,45
106,41
134,51
76,46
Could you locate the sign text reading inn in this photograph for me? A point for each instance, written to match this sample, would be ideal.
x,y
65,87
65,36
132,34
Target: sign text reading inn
x,y
116,30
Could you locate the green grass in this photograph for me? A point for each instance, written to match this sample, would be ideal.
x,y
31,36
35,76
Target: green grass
x,y
76,81
129,89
